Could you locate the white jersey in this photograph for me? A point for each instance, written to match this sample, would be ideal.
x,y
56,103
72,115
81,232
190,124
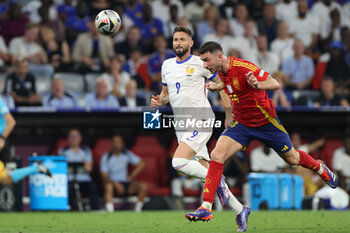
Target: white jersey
x,y
188,97
186,82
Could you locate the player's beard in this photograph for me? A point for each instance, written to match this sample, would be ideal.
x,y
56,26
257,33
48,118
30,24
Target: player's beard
x,y
181,52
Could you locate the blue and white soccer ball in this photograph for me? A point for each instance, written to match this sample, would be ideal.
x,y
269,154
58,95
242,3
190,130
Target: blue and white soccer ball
x,y
108,22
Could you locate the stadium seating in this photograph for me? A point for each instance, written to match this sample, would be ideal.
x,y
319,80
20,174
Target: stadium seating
x,y
91,81
43,85
72,81
61,143
101,146
328,150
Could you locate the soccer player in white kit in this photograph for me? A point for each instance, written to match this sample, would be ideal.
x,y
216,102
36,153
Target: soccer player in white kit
x,y
184,86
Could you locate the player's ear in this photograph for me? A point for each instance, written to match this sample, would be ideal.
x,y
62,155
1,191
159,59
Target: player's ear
x,y
191,43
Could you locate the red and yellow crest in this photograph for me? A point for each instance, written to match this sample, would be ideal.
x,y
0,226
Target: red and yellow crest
x,y
235,82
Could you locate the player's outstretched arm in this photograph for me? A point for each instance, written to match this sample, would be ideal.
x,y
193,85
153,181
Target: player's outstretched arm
x,y
269,84
161,99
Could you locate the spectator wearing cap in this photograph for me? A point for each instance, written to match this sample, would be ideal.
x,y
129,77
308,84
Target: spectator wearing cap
x,y
101,98
59,97
130,99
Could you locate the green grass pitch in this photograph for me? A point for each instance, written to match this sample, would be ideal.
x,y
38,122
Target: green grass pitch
x,y
173,221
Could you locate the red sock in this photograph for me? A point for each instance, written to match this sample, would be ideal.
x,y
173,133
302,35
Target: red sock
x,y
212,181
308,162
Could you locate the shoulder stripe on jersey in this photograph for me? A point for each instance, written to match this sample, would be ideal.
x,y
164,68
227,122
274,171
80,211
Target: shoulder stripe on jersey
x,y
164,84
245,64
213,76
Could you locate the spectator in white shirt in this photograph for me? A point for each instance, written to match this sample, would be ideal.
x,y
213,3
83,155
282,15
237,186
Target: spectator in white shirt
x,y
266,59
220,36
4,54
341,164
207,26
305,26
130,99
283,44
237,23
246,44
321,10
194,10
264,159
286,10
161,8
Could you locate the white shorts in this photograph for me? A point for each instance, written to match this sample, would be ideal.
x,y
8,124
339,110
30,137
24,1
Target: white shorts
x,y
197,141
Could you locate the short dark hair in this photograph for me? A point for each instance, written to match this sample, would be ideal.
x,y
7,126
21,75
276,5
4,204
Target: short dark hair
x,y
210,47
183,29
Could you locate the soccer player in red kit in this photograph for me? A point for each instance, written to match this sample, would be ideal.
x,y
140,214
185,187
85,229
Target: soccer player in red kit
x,y
254,118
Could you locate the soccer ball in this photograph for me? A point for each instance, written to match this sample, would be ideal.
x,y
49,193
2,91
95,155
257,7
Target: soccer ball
x,y
108,22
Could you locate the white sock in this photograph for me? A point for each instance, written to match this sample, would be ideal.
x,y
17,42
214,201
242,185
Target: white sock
x,y
207,205
235,205
190,167
109,207
138,206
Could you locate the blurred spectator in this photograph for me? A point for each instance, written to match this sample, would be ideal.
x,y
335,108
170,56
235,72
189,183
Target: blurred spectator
x,y
237,23
4,54
130,99
194,10
132,41
345,39
134,10
149,25
26,47
4,8
21,86
255,9
268,24
55,24
312,181
98,5
127,23
246,44
59,97
328,97
281,97
66,10
286,10
58,52
31,8
6,98
341,163
157,58
161,9
265,159
116,78
92,50
283,44
220,36
172,22
115,175
299,69
305,27
236,169
321,10
337,66
266,59
75,154
78,23
14,23
211,15
137,67
101,98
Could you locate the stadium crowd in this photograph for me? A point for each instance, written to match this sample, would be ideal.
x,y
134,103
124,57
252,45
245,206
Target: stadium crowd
x,y
304,44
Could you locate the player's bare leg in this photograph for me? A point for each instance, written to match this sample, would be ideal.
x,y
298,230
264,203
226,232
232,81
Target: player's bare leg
x,y
182,162
224,149
108,195
297,157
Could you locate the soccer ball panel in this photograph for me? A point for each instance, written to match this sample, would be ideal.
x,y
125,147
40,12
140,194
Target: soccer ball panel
x,y
108,22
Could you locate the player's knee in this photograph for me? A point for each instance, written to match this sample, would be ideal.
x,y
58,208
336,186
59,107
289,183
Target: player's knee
x,y
179,163
143,187
215,155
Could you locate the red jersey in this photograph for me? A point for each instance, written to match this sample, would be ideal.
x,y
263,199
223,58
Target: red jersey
x,y
251,107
